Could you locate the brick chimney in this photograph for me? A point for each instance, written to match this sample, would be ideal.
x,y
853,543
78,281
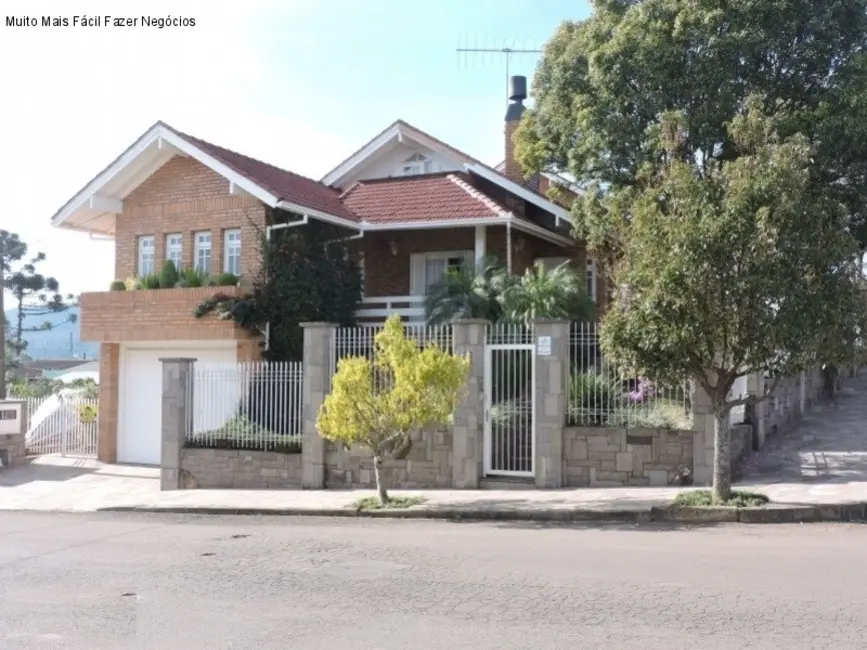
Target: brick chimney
x,y
517,95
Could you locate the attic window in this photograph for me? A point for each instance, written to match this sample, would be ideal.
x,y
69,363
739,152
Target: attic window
x,y
414,165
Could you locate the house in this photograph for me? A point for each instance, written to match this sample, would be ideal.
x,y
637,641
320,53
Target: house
x,y
83,371
32,369
415,205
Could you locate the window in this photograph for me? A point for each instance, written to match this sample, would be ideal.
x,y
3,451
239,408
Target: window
x,y
146,256
361,271
203,252
175,250
232,252
416,164
591,279
426,269
551,263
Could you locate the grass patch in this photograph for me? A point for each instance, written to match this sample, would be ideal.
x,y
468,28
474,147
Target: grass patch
x,y
739,499
395,503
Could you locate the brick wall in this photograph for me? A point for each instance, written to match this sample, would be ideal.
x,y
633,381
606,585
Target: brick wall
x,y
428,465
183,196
614,457
245,470
154,315
388,274
109,369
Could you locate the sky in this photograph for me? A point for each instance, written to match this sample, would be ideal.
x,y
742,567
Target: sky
x,y
300,84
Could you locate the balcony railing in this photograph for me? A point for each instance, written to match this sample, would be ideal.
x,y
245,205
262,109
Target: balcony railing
x,y
375,310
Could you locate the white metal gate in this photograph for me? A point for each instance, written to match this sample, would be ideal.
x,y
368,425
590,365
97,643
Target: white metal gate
x,y
68,426
510,401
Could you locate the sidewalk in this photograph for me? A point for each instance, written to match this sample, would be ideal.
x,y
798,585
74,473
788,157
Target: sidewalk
x,y
86,486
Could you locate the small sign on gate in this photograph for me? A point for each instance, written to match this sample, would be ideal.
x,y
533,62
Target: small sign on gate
x,y
543,346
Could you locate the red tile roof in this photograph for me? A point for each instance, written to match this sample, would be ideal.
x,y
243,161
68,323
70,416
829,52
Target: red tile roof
x,y
285,185
431,197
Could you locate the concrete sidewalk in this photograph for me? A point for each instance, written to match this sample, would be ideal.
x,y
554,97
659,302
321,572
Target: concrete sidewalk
x,y
86,486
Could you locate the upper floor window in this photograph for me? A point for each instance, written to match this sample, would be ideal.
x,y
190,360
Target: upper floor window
x,y
146,259
203,251
416,164
175,250
232,252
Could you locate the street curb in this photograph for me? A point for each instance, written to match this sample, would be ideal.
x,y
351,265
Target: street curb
x,y
671,514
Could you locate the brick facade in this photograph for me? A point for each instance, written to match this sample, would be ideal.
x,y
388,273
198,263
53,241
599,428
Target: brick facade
x,y
185,197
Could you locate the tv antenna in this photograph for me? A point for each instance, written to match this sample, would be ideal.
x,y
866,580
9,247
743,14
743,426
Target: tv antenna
x,y
490,52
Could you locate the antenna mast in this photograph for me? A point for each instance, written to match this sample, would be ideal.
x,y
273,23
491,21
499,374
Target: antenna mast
x,y
507,51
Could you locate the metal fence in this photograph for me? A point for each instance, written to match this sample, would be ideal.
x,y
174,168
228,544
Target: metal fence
x,y
601,394
509,399
361,342
63,425
246,405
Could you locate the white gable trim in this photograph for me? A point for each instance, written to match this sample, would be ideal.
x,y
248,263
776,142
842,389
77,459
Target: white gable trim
x,y
161,135
402,133
513,187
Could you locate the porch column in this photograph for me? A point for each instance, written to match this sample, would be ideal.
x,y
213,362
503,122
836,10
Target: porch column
x,y
703,443
468,438
550,400
318,360
481,244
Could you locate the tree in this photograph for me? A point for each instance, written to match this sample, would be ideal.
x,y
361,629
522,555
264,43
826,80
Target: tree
x,y
494,294
744,268
540,293
12,249
36,296
379,404
604,83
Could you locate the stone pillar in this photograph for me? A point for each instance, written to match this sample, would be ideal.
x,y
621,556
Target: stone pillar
x,y
550,404
13,429
318,368
756,387
109,372
469,421
177,412
702,449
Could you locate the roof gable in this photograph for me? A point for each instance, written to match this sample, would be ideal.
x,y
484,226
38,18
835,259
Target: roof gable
x,y
95,206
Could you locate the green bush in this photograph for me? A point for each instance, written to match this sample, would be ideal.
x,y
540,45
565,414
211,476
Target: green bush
x,y
132,283
193,278
595,393
659,414
117,285
168,275
242,433
151,281
227,280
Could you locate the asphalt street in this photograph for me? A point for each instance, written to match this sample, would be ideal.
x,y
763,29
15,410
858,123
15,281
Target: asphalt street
x,y
145,581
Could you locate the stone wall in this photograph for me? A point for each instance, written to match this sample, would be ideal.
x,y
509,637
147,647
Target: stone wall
x,y
428,465
598,457
232,468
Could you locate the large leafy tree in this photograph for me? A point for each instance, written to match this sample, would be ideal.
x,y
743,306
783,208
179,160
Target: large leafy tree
x,y
604,84
747,267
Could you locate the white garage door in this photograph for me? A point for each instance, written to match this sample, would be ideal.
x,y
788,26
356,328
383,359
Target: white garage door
x,y
140,396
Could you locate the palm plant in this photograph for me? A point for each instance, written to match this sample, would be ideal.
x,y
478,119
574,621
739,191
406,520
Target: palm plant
x,y
558,293
467,293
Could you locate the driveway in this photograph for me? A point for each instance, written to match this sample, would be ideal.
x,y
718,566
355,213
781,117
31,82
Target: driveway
x,y
825,454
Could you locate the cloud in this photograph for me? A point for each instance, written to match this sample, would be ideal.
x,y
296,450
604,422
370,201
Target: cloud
x,y
78,96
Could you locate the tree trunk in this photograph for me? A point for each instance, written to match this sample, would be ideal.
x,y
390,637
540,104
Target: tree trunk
x,y
19,330
380,487
722,467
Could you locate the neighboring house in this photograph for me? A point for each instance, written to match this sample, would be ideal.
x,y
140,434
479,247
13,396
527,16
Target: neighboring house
x,y
31,369
415,206
89,370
